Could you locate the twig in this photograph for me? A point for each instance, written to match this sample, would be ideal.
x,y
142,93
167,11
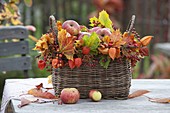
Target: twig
x,y
131,24
53,27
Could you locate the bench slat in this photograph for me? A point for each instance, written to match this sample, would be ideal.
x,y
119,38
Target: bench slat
x,y
18,32
17,63
13,48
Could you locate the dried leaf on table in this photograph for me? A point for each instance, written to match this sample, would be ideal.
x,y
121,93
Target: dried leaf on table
x,y
160,100
24,102
40,93
39,86
138,93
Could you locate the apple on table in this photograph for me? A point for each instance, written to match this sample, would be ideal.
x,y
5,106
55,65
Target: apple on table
x,y
70,95
95,95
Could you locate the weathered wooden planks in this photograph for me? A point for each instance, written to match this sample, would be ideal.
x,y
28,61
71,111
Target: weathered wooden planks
x,y
13,48
14,53
16,63
11,32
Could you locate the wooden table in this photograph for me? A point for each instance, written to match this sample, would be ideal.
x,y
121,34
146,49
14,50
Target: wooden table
x,y
158,88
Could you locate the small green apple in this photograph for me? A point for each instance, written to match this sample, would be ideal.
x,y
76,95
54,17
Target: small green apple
x,y
95,95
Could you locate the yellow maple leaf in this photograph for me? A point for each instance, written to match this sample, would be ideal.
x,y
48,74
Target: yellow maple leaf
x,y
66,44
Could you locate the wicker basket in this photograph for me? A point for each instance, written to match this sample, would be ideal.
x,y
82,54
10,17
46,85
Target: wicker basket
x,y
113,82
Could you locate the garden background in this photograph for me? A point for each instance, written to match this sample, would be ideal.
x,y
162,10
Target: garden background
x,y
152,18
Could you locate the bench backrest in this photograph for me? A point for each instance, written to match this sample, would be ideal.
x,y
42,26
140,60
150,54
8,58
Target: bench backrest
x,y
14,49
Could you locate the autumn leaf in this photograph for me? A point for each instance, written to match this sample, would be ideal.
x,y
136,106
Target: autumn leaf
x,y
102,21
40,93
112,53
105,20
94,21
106,39
104,51
49,79
138,93
117,52
66,44
160,100
144,51
146,40
15,21
59,25
128,37
92,42
24,102
39,86
116,38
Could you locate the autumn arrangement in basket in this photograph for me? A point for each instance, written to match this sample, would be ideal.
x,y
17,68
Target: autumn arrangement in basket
x,y
73,45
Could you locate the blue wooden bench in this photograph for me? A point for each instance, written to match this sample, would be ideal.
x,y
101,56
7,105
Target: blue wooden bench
x,y
14,49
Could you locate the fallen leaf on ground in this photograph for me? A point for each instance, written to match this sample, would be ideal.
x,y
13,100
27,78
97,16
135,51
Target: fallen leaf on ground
x,y
160,100
138,93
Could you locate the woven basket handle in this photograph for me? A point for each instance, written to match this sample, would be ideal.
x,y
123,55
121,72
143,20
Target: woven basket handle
x,y
53,27
131,24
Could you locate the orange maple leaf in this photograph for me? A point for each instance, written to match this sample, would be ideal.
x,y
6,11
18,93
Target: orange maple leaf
x,y
116,38
128,38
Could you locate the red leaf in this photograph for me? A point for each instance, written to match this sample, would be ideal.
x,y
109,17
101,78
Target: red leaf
x,y
39,93
39,86
144,51
138,93
160,100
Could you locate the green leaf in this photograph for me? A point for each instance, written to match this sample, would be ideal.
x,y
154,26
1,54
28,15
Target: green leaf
x,y
28,3
92,42
105,61
105,20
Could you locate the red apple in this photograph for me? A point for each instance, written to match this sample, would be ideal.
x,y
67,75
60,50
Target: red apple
x,y
81,34
95,95
71,27
94,29
103,32
69,95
